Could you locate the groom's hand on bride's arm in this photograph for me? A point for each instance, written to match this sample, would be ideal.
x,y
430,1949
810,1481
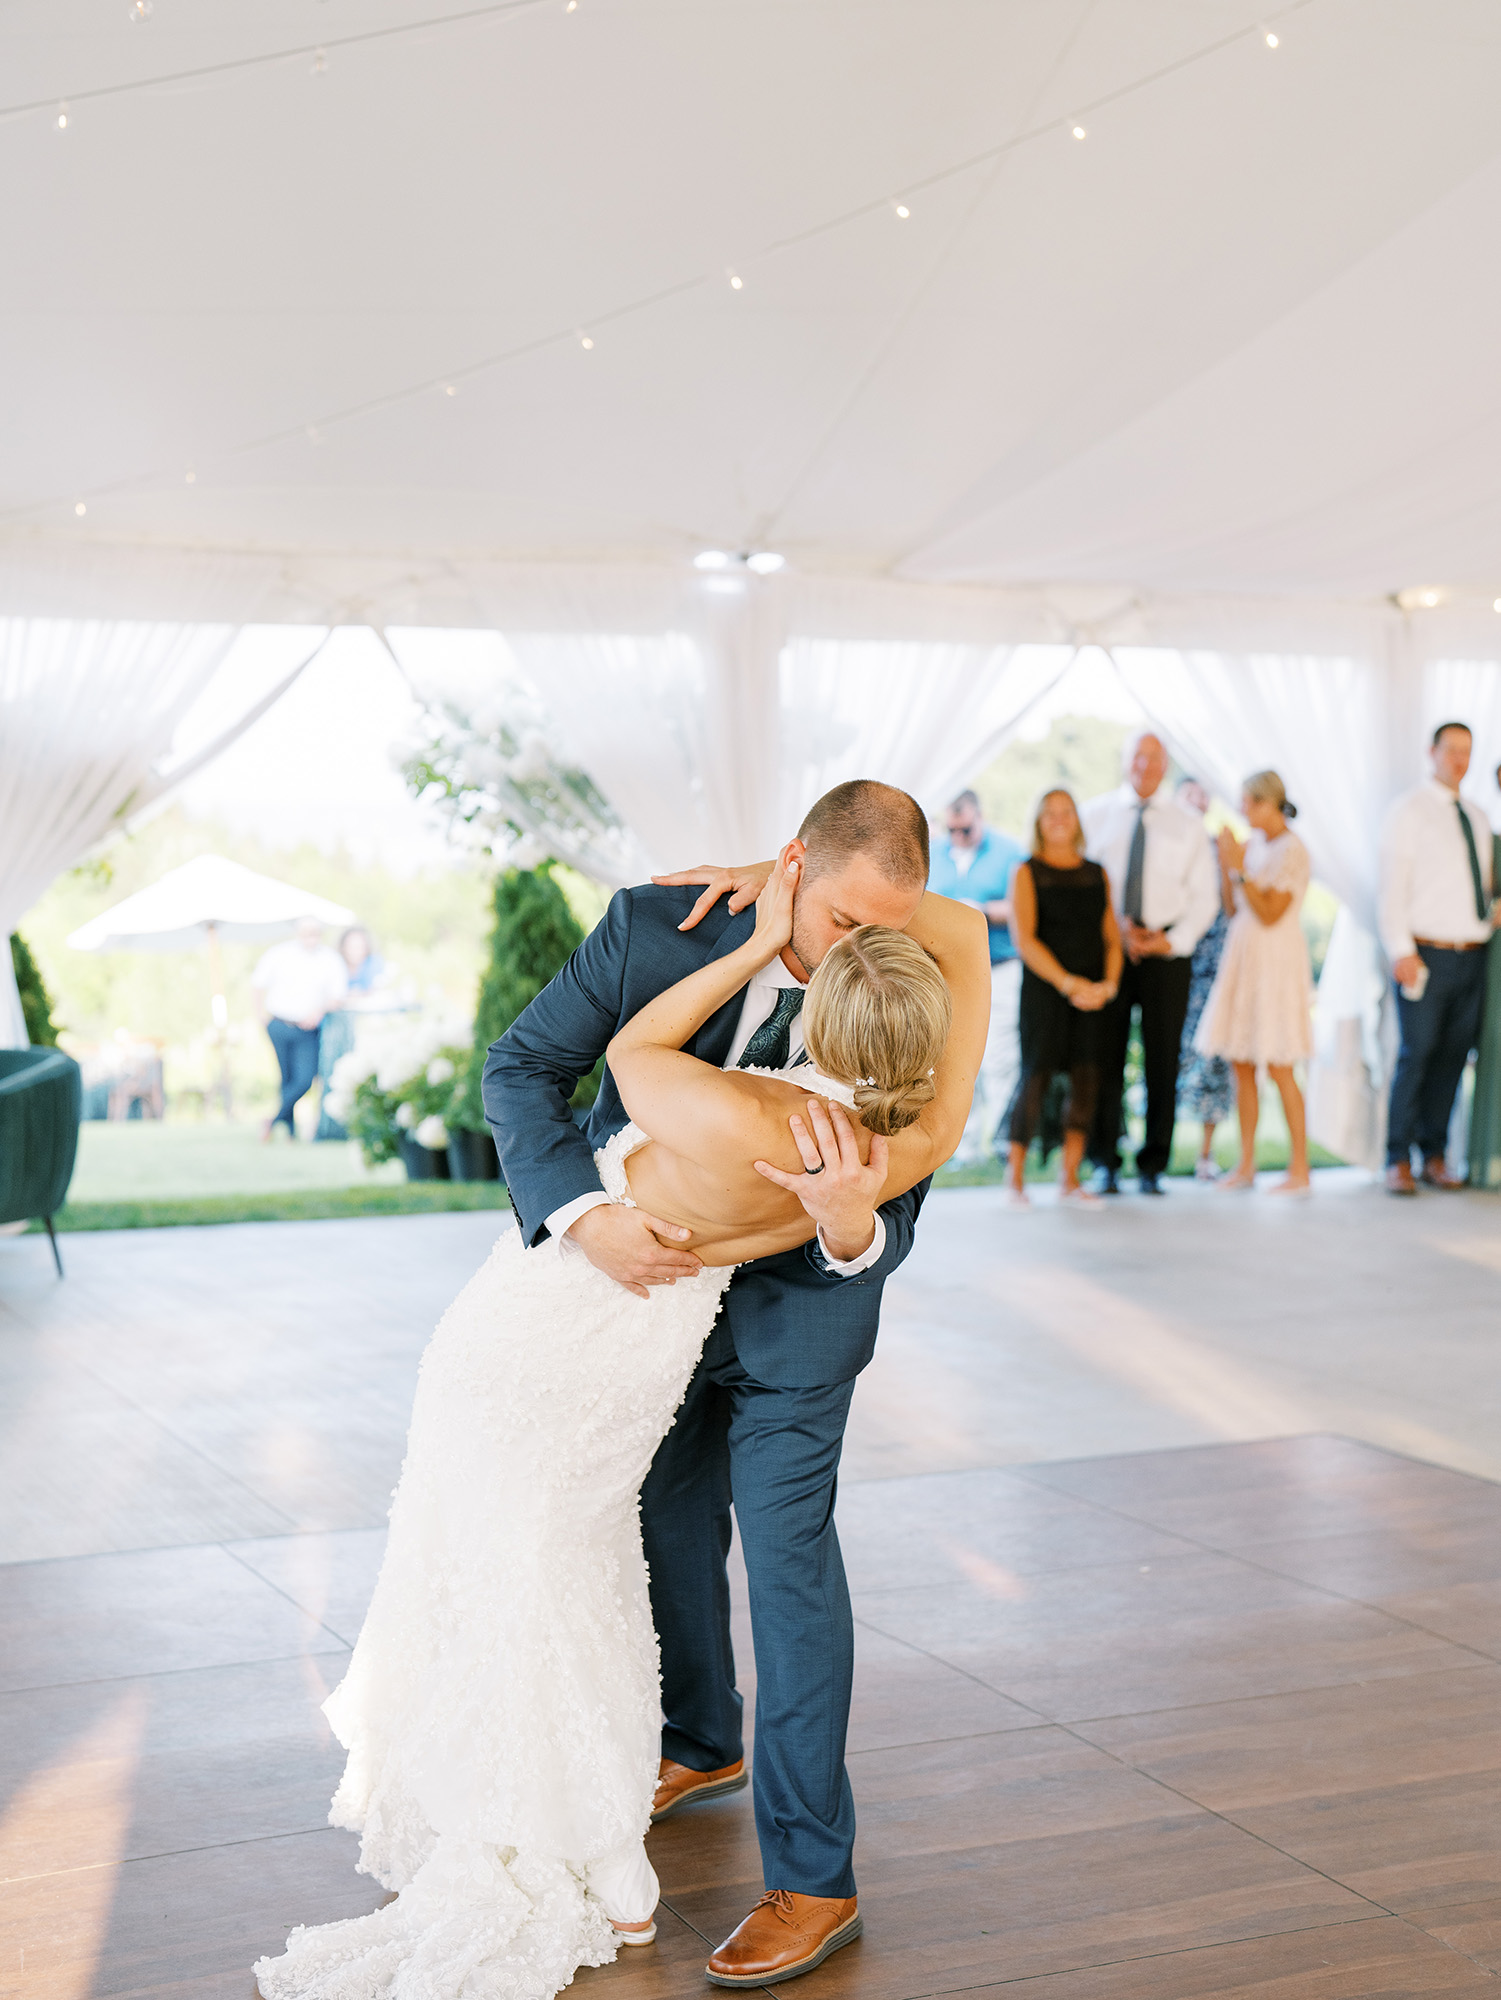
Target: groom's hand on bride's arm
x,y
628,1245
835,1188
744,886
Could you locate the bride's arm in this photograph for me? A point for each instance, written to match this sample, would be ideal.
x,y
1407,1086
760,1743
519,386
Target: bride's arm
x,y
686,1104
957,936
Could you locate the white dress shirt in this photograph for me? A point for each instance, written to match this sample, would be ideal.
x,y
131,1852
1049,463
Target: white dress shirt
x,y
1179,886
756,1008
300,985
1426,887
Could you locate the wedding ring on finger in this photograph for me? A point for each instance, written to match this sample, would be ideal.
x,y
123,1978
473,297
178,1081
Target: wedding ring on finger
x,y
809,1172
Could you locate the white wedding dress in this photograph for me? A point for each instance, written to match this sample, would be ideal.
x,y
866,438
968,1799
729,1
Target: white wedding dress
x,y
501,1710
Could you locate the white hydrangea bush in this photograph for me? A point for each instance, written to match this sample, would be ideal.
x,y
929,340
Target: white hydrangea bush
x,y
398,1083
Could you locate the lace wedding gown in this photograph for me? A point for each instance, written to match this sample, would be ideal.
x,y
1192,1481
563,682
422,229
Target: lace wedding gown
x,y
501,1710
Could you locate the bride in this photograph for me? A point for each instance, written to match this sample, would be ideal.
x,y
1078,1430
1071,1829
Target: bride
x,y
501,1708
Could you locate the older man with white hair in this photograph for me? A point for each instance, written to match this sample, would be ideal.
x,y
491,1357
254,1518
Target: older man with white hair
x,y
1162,880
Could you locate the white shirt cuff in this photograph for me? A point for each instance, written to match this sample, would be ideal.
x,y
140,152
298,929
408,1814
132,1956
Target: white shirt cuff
x,y
562,1219
855,1265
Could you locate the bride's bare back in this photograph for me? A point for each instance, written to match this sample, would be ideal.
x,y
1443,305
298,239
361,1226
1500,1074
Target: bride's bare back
x,y
714,1190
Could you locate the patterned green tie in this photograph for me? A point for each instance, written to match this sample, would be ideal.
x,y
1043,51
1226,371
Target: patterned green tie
x,y
771,1044
1482,906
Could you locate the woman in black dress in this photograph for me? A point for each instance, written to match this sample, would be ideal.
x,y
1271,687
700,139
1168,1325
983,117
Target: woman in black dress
x,y
1066,936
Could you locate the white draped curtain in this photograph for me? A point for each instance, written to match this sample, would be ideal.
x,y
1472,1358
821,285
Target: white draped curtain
x,y
711,713
89,707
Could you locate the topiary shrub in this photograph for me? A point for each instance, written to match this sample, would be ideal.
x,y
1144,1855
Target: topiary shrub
x,y
534,937
36,1001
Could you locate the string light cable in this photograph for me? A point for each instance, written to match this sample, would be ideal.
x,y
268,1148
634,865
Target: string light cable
x,y
318,429
68,100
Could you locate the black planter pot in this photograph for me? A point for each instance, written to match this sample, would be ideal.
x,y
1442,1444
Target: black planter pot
x,y
422,1163
471,1157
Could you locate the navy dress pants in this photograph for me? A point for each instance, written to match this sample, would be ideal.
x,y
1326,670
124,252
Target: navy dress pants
x,y
297,1053
1438,1033
774,1453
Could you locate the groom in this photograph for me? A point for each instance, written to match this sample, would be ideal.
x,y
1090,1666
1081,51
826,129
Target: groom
x,y
763,1419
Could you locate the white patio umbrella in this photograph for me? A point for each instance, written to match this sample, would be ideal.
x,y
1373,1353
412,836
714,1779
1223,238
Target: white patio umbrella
x,y
208,901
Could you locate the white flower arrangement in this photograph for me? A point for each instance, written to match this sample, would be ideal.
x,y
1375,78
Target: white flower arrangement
x,y
406,1116
432,1132
440,1070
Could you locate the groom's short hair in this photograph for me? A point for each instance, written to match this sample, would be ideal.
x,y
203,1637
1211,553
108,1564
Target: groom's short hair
x,y
865,817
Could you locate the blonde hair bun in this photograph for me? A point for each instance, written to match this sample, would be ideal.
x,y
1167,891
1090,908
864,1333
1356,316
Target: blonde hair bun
x,y
895,1108
876,1017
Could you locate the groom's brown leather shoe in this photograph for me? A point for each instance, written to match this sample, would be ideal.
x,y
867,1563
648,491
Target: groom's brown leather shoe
x,y
784,1936
678,1786
1436,1175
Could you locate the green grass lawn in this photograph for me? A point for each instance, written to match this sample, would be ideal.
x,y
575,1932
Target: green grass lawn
x,y
141,1174
146,1160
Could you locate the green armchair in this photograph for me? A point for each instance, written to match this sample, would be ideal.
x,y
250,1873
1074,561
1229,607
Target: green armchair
x,y
41,1099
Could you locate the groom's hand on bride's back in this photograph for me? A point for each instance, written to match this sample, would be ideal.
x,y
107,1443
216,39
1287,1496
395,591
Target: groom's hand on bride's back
x,y
634,1248
743,885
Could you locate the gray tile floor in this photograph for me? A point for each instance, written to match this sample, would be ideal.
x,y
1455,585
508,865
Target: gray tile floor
x,y
1143,1707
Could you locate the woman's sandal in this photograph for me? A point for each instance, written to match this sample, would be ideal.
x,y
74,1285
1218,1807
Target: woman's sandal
x,y
635,1933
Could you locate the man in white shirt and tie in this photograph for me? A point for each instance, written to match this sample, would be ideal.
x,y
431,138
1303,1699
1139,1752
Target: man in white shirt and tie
x,y
1162,881
1436,919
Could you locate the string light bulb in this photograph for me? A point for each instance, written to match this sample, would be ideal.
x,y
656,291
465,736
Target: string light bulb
x,y
737,283
1272,39
79,509
62,117
900,210
572,7
189,478
586,341
450,389
1079,131
765,562
1497,605
320,62
140,10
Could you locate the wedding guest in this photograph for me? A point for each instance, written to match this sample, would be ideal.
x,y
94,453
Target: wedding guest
x,y
973,865
336,1035
1066,936
1485,1106
1435,920
1163,881
1206,1084
295,984
1258,1011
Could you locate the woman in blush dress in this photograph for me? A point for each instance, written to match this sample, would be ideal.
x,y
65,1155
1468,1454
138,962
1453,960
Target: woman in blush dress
x,y
1070,949
1206,1084
1258,1009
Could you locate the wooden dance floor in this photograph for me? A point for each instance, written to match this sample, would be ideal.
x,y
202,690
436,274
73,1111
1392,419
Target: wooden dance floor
x,y
1195,1718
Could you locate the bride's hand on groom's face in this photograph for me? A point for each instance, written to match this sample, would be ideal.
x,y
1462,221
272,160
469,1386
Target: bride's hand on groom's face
x,y
774,912
743,885
835,1188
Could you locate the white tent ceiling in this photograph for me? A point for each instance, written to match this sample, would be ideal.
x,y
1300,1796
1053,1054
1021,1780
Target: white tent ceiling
x,y
1240,338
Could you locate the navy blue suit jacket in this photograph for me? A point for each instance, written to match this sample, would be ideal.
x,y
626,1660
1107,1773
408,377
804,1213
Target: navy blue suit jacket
x,y
795,1323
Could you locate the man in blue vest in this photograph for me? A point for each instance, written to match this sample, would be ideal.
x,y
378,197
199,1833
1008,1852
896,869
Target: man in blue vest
x,y
974,866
